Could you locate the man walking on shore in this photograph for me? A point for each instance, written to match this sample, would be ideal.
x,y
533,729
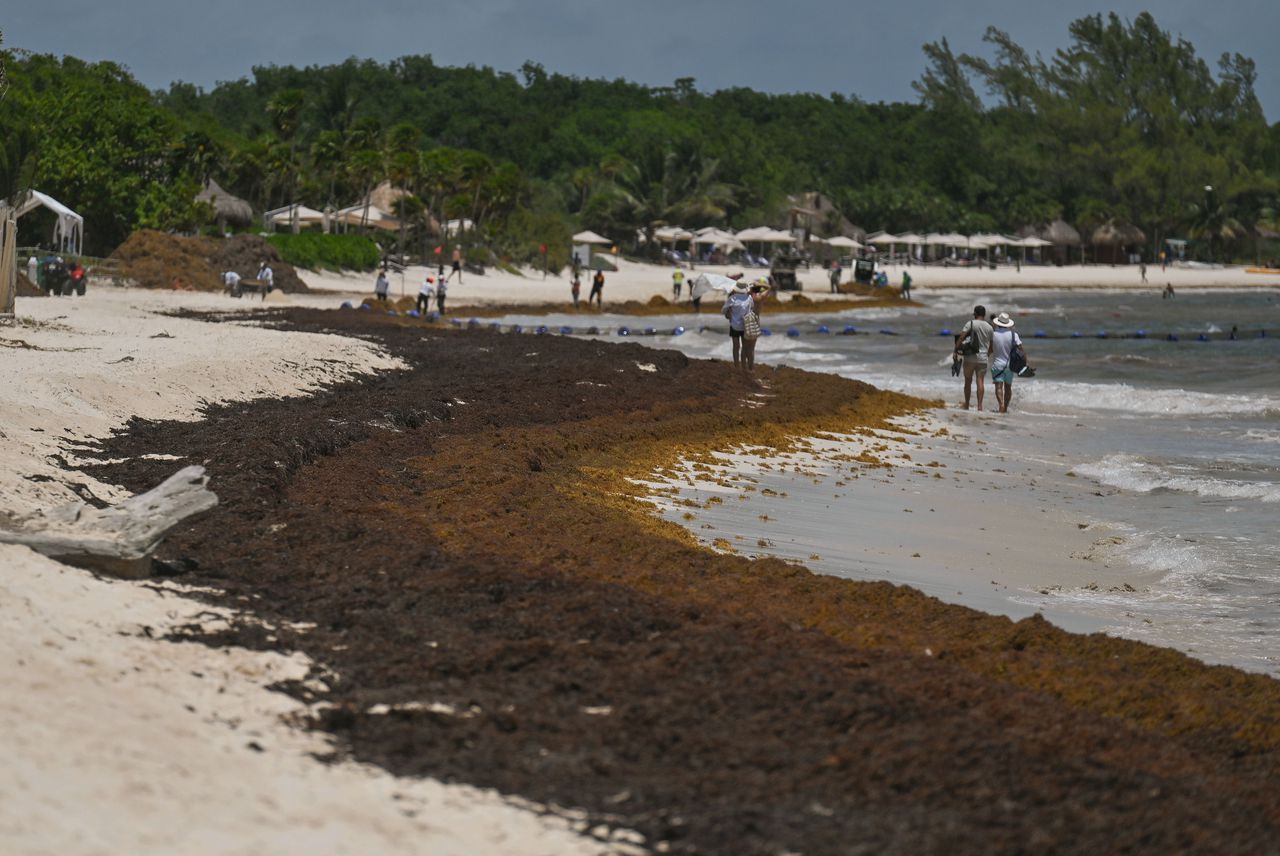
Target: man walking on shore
x,y
1004,340
972,346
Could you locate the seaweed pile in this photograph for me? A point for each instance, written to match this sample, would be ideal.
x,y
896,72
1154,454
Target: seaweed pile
x,y
456,547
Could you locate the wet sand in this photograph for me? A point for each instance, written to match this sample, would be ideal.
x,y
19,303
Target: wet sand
x,y
460,546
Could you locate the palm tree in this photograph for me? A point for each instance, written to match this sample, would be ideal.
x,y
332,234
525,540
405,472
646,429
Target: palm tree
x,y
1214,220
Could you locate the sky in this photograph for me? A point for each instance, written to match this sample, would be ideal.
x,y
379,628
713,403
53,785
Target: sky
x,y
866,49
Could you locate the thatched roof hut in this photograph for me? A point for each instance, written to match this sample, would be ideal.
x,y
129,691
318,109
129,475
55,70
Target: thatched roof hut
x,y
1113,234
1061,233
226,207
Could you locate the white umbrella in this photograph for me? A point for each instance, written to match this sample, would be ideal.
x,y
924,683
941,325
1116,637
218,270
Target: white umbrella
x,y
671,234
717,238
589,237
883,239
756,233
777,236
842,241
705,282
934,239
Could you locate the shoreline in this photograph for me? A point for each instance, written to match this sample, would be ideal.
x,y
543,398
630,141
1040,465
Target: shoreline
x,y
546,574
569,648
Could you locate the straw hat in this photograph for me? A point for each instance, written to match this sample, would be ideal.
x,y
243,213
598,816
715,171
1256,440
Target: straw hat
x,y
1003,320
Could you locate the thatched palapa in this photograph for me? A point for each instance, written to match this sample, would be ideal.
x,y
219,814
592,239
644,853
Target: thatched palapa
x,y
227,207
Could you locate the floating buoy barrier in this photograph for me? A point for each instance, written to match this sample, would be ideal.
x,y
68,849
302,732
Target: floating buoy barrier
x,y
364,306
542,329
1040,334
650,331
392,312
1140,334
516,328
565,331
793,333
624,331
495,325
824,329
848,330
679,331
1102,334
433,315
593,331
412,313
945,331
455,322
1076,335
474,322
887,332
1171,338
1202,338
346,304
765,331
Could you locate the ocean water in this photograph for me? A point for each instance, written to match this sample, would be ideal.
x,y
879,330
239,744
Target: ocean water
x,y
1171,447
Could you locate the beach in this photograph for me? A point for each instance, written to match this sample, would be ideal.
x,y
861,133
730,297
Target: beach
x,y
568,645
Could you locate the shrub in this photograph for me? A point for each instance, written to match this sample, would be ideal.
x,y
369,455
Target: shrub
x,y
317,251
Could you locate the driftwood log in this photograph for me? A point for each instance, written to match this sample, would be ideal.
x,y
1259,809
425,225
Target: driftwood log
x,y
117,540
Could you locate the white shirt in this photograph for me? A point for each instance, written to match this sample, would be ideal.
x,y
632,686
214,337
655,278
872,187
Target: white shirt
x,y
265,274
231,278
1001,346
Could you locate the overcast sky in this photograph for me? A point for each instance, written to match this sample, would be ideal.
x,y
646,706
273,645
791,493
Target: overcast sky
x,y
867,49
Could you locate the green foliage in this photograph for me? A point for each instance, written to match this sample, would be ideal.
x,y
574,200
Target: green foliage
x,y
317,251
1125,123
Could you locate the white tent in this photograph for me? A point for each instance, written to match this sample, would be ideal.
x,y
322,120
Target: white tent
x,y
68,229
589,237
295,213
842,241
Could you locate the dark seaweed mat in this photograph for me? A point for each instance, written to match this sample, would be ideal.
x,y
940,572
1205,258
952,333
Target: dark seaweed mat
x,y
731,731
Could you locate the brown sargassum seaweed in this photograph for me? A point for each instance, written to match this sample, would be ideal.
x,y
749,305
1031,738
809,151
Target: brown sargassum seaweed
x,y
463,533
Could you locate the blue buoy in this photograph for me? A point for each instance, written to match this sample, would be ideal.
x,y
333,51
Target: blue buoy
x,y
945,331
1262,334
1202,338
679,331
1075,334
542,330
849,330
412,313
650,331
824,329
346,304
392,312
1141,334
455,322
495,325
433,315
793,333
1171,338
1040,334
765,331
474,322
516,328
624,331
364,306
887,332
565,331
1102,334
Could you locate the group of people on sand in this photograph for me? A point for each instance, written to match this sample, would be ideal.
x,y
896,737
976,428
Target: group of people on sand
x,y
994,346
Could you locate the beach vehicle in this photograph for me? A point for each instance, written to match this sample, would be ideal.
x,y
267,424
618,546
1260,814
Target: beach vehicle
x,y
54,277
783,270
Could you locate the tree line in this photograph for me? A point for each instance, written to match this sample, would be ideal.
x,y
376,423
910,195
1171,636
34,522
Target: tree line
x,y
1124,124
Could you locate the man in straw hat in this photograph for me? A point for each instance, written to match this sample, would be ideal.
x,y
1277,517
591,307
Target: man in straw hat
x,y
1004,341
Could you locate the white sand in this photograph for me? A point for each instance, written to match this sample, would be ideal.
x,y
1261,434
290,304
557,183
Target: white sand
x,y
634,281
114,742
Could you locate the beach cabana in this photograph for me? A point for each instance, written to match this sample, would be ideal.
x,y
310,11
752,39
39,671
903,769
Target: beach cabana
x,y
68,227
366,214
844,243
1113,242
582,244
724,240
227,208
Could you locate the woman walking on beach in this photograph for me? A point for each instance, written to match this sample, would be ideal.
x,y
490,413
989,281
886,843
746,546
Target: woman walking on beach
x,y
1004,341
597,290
740,308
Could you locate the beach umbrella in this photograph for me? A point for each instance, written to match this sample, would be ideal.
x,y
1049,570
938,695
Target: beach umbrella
x,y
883,239
755,233
843,242
707,282
589,237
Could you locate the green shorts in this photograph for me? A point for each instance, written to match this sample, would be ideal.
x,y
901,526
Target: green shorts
x,y
1004,375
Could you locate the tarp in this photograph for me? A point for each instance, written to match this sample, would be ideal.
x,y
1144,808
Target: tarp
x,y
706,282
68,229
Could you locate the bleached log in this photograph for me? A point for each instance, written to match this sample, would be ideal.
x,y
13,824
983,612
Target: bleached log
x,y
117,540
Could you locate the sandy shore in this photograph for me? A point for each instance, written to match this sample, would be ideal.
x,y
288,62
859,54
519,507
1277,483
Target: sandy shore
x,y
116,741
119,742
